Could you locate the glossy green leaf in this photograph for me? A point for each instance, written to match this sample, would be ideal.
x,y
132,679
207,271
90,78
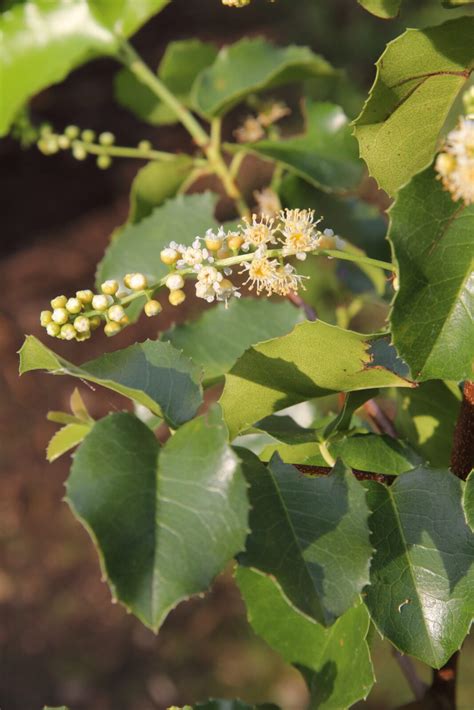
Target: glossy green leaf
x,y
433,312
422,574
156,183
166,521
382,8
225,704
300,532
182,62
325,155
468,500
418,78
252,65
456,3
137,246
152,373
43,40
338,656
315,359
211,342
66,439
427,417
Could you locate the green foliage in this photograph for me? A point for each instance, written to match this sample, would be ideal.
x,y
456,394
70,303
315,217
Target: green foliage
x,y
210,339
166,520
421,576
182,62
382,8
43,40
336,659
298,525
156,183
418,78
66,439
326,155
468,500
314,360
152,373
432,243
252,65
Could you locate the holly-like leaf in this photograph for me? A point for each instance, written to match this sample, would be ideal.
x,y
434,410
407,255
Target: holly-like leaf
x,y
211,339
422,574
314,360
382,8
137,246
152,373
432,315
300,533
181,63
418,78
166,521
427,417
339,656
156,183
252,65
325,155
66,439
468,500
43,40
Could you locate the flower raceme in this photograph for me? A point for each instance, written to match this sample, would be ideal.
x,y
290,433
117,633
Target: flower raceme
x,y
258,249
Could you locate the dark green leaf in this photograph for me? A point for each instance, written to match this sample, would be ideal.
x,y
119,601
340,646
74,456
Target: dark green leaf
x,y
43,40
224,704
427,417
339,656
167,521
181,64
315,359
468,500
300,533
152,373
325,155
433,311
418,78
66,439
382,8
137,246
422,575
211,339
252,65
156,183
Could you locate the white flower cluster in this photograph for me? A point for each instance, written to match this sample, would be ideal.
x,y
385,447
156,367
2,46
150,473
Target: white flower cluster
x,y
455,165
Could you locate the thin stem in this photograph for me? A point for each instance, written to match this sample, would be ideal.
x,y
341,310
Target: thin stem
x,y
335,253
235,164
407,667
143,73
326,454
116,151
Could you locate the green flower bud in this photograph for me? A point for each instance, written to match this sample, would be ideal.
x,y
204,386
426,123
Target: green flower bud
x,y
116,313
81,324
110,287
83,336
95,322
88,136
53,329
45,318
101,302
74,305
59,302
112,329
71,132
107,138
176,297
137,282
67,332
78,151
63,142
104,162
60,316
152,308
85,296
145,146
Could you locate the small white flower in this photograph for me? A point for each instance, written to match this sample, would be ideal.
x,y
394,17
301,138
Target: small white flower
x,y
259,232
300,232
455,166
174,282
261,273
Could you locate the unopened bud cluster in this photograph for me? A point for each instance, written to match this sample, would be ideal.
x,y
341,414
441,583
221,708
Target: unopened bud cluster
x,y
259,249
455,165
254,128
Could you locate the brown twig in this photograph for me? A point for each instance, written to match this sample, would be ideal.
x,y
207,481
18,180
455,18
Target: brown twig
x,y
378,418
360,475
462,453
309,311
417,686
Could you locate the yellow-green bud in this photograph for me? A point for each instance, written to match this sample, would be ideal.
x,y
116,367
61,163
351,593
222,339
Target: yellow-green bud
x,y
78,151
81,324
152,308
68,332
176,297
104,162
85,296
74,305
53,329
83,336
137,282
46,129
88,136
124,321
95,322
101,302
112,329
327,242
45,318
71,132
59,302
60,316
223,253
174,282
169,256
116,313
110,287
106,138
235,242
64,142
145,146
213,244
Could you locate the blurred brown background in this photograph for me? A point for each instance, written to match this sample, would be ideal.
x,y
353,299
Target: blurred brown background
x,y
61,639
